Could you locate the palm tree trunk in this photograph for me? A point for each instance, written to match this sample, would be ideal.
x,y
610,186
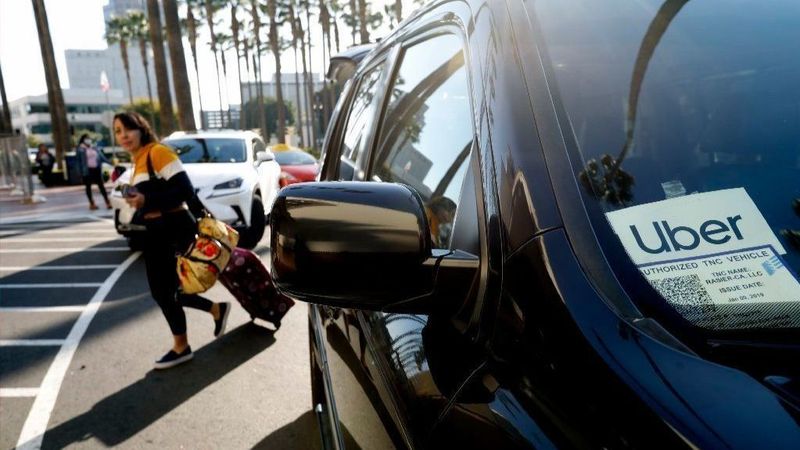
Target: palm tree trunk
x,y
123,49
219,81
362,21
236,43
143,51
310,81
58,111
307,99
276,51
160,62
181,80
354,15
299,118
5,123
336,33
192,30
262,114
245,117
398,11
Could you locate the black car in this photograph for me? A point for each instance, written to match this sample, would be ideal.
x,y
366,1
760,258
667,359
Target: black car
x,y
558,224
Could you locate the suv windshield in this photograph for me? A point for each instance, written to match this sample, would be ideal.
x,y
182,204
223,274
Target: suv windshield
x,y
294,158
685,120
209,150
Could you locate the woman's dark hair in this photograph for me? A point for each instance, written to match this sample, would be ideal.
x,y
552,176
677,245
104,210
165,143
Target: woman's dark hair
x,y
83,136
134,121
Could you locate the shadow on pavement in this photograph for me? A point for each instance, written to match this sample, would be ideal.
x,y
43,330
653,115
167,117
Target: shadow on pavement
x,y
123,414
302,434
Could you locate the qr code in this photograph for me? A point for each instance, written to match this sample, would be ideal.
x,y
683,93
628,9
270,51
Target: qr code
x,y
686,294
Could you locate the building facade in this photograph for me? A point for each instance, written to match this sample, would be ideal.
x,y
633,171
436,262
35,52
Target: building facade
x,y
87,109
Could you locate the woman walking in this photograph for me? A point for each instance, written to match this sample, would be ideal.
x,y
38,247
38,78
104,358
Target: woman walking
x,y
160,191
90,163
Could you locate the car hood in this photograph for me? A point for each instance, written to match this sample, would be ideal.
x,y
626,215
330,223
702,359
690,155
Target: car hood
x,y
210,174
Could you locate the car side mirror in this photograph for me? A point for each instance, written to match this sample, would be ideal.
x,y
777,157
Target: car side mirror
x,y
263,156
353,244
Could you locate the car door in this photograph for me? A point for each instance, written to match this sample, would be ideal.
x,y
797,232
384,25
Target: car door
x,y
392,374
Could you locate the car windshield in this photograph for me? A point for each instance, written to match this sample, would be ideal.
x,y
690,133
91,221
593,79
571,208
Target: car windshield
x,y
684,118
294,158
209,150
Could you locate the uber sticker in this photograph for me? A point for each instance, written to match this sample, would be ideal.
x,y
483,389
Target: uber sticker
x,y
709,250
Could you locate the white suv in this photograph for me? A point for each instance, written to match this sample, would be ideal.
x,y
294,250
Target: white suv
x,y
234,174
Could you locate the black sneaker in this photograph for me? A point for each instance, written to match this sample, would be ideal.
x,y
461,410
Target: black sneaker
x,y
222,322
172,359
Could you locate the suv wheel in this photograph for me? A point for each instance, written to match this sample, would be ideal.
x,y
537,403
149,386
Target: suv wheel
x,y
251,235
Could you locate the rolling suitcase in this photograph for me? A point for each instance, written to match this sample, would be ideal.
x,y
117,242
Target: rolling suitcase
x,y
249,281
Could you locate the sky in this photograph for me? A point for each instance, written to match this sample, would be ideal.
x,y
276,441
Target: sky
x,y
78,24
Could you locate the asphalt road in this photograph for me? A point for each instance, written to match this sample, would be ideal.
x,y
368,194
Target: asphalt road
x,y
79,333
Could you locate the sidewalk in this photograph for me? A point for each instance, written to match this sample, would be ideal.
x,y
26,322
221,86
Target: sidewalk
x,y
61,202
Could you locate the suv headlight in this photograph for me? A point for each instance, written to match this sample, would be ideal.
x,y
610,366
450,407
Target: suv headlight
x,y
232,184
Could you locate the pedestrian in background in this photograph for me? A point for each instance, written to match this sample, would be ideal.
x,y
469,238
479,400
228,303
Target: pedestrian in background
x,y
45,162
160,190
90,163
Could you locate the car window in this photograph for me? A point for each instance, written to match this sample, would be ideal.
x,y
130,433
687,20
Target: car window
x,y
357,125
687,144
426,135
294,158
212,150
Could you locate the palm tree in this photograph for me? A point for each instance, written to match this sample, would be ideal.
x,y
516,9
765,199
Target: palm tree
x,y
211,7
325,23
165,114
237,44
190,24
275,45
224,43
362,21
351,19
5,123
183,91
262,116
336,9
309,76
139,31
118,31
366,20
301,34
394,12
58,111
296,37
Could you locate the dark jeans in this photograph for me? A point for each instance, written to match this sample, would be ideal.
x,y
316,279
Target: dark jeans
x,y
94,177
170,233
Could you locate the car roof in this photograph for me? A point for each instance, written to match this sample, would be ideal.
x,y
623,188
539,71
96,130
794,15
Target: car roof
x,y
240,134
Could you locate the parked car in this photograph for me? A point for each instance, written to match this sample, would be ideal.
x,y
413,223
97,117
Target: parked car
x,y
235,177
297,166
558,224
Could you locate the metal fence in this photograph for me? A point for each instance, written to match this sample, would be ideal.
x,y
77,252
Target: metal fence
x,y
15,167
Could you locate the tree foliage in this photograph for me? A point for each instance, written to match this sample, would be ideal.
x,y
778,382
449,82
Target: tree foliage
x,y
270,109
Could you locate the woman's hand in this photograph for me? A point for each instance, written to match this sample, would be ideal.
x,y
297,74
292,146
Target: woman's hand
x,y
136,200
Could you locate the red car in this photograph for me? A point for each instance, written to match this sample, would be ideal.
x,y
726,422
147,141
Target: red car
x,y
297,166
